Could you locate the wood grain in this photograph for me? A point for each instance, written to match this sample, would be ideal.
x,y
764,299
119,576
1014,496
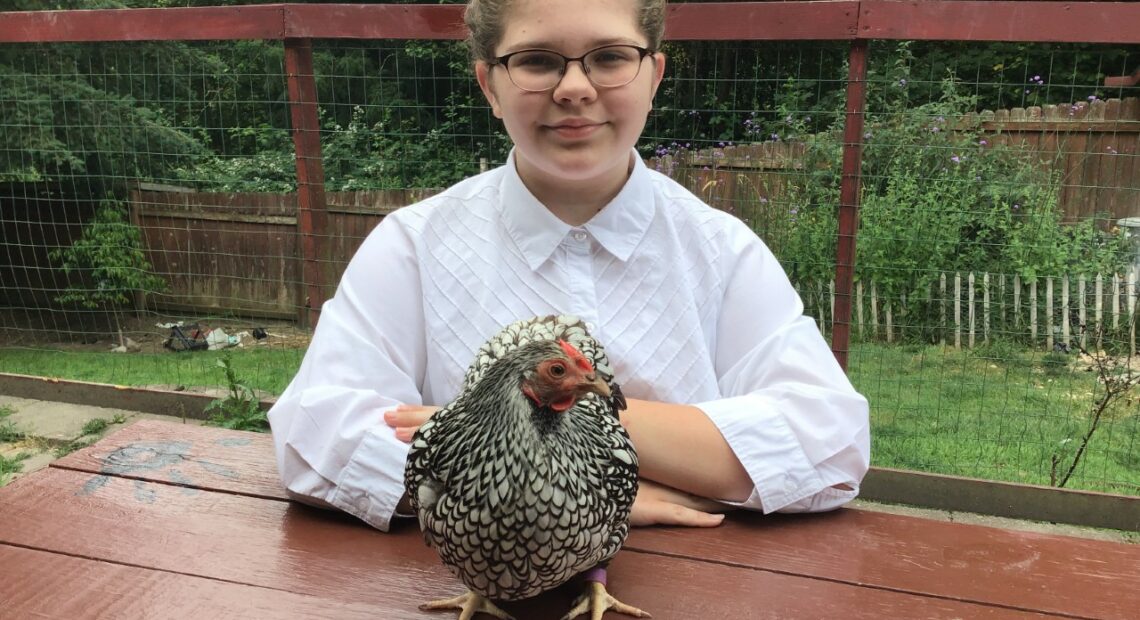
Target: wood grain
x,y
965,562
1055,574
186,455
158,529
50,585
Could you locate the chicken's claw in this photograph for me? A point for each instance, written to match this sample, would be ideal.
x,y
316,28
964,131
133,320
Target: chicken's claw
x,y
597,601
468,605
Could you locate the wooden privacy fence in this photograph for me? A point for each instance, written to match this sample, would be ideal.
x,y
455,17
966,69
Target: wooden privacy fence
x,y
967,309
1094,147
239,253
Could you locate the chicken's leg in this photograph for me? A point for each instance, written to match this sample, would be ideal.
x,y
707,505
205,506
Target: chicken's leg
x,y
468,605
597,600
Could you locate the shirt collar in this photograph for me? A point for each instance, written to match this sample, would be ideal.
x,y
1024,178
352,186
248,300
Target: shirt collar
x,y
618,227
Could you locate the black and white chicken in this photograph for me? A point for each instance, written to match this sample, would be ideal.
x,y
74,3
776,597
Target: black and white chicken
x,y
526,479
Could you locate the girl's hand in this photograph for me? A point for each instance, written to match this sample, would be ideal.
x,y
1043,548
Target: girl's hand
x,y
406,419
657,504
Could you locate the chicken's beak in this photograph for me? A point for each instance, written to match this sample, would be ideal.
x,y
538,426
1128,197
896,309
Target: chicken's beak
x,y
594,383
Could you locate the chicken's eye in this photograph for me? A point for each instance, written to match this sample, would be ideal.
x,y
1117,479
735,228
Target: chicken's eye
x,y
557,370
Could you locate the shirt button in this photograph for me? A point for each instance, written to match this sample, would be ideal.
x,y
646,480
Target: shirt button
x,y
579,236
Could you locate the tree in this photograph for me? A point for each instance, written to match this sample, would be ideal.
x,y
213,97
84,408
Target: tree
x,y
110,257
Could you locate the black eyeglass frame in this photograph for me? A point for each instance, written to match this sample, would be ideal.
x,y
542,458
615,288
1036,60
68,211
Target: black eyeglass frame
x,y
566,60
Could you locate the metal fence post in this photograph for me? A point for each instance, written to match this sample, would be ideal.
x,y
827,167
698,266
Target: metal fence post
x,y
312,215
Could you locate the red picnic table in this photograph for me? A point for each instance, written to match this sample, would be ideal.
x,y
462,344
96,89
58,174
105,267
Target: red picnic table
x,y
165,520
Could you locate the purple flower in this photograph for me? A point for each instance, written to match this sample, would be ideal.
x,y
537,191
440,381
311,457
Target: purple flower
x,y
902,82
935,129
775,137
982,142
956,159
867,136
793,211
1092,97
763,200
1016,206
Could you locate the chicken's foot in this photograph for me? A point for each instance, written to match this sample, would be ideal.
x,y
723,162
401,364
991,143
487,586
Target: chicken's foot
x,y
596,600
468,605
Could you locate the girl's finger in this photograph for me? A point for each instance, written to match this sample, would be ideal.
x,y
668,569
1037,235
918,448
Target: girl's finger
x,y
405,433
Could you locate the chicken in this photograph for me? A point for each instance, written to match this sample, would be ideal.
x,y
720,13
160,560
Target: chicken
x,y
526,479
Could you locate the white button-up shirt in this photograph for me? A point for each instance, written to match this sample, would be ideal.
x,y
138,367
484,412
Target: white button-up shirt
x,y
691,306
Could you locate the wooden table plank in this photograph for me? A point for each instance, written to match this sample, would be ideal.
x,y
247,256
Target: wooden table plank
x,y
1056,574
183,454
50,585
972,563
273,544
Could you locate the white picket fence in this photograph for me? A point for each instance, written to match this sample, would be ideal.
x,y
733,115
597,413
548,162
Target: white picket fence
x,y
975,308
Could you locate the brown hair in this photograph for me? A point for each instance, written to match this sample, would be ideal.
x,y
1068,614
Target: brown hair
x,y
484,20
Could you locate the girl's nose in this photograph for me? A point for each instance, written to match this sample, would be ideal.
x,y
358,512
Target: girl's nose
x,y
575,84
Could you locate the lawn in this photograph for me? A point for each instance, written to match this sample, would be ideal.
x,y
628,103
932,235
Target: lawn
x,y
993,413
998,412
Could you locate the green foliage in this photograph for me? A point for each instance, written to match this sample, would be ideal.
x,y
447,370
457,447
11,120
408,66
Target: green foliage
x,y
241,409
65,115
938,196
110,258
95,426
11,465
8,430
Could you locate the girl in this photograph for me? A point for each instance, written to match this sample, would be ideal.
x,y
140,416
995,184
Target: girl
x,y
735,400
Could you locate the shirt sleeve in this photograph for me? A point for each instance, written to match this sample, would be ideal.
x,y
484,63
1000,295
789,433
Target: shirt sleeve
x,y
787,410
366,356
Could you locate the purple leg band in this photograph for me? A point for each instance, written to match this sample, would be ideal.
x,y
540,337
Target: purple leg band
x,y
596,574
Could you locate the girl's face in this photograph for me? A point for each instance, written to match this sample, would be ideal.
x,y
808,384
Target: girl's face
x,y
575,133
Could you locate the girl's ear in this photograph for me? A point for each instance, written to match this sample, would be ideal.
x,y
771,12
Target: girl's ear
x,y
658,70
483,76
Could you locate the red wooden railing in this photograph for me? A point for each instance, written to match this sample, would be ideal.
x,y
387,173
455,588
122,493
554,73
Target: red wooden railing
x,y
857,21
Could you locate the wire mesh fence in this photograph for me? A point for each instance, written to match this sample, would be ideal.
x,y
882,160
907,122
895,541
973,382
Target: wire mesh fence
x,y
994,313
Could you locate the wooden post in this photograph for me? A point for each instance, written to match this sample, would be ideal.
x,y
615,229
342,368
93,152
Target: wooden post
x,y
1083,312
1066,333
312,215
1049,313
1016,301
986,307
957,311
1115,302
1099,310
1033,312
1133,283
970,307
849,199
942,306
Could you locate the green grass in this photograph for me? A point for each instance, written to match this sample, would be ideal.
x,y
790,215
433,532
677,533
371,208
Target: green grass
x,y
998,412
993,414
265,369
9,464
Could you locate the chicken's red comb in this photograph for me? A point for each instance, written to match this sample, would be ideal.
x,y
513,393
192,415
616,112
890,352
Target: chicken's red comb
x,y
576,355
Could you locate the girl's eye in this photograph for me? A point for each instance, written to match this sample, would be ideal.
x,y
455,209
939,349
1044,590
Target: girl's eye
x,y
536,61
557,370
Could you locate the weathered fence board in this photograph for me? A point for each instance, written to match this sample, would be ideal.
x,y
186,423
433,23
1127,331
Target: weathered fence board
x,y
1072,308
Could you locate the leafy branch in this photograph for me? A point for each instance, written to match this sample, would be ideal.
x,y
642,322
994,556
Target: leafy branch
x,y
1119,379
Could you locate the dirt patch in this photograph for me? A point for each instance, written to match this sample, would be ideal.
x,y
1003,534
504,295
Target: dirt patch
x,y
92,332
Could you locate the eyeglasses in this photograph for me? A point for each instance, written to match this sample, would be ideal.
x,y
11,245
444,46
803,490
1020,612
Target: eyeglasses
x,y
606,67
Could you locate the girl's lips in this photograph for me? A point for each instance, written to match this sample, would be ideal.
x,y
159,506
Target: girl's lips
x,y
575,131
